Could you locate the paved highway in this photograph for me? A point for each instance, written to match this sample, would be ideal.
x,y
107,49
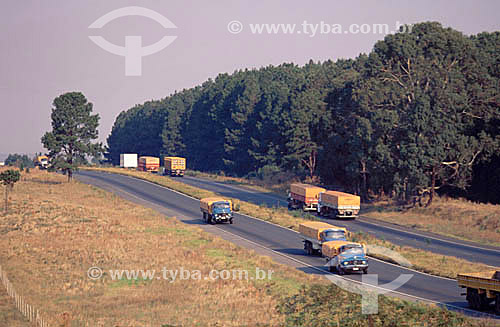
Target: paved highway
x,y
281,241
396,234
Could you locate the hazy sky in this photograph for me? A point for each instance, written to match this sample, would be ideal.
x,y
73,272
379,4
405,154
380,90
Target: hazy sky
x,y
46,50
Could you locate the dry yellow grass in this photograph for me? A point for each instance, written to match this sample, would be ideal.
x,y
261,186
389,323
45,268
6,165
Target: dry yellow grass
x,y
278,185
451,217
55,231
425,261
9,316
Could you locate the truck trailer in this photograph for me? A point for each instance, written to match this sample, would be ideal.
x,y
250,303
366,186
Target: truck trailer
x,y
338,204
216,209
175,166
149,164
304,196
330,241
483,288
128,160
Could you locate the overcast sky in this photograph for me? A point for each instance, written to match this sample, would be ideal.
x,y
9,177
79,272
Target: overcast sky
x,y
46,49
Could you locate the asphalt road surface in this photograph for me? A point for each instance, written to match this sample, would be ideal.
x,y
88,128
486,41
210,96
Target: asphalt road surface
x,y
281,243
399,235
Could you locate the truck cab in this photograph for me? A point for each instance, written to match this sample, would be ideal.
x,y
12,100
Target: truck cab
x,y
351,257
221,210
216,210
333,234
42,162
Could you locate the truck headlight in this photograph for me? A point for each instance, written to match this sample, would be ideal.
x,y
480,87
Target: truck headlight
x,y
345,263
363,262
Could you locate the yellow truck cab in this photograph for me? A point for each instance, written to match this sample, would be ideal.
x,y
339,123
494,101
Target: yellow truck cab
x,y
216,209
315,233
42,162
175,166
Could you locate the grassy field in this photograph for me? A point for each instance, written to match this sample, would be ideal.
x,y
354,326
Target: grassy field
x,y
9,316
457,218
55,231
439,265
277,185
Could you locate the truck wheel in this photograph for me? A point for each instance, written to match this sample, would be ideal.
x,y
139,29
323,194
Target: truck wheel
x,y
308,247
497,304
209,219
340,270
231,221
476,301
212,221
331,268
472,298
365,271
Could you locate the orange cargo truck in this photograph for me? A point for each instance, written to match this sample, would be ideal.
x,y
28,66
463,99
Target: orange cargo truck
x,y
330,241
175,166
304,196
150,164
338,204
483,288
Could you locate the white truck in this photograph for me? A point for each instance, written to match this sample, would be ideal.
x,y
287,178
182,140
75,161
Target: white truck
x,y
128,160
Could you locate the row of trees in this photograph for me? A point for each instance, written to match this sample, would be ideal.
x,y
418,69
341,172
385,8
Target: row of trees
x,y
19,160
418,114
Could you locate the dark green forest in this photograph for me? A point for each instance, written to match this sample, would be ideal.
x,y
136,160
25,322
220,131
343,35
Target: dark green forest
x,y
420,113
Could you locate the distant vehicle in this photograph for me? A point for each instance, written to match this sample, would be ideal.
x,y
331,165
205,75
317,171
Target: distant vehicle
x,y
330,241
128,160
42,162
483,288
304,196
338,204
216,210
149,164
175,166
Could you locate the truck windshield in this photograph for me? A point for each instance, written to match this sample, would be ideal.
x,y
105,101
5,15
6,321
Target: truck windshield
x,y
332,235
354,250
221,205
